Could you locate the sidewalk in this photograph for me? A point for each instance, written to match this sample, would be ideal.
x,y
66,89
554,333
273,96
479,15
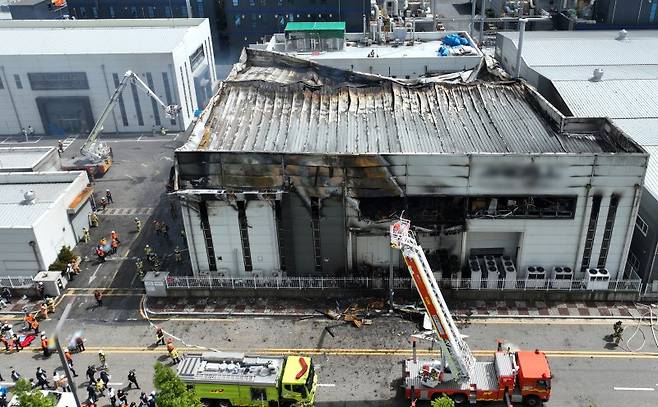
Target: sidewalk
x,y
17,304
268,307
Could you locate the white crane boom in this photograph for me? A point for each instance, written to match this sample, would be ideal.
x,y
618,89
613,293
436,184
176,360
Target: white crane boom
x,y
460,360
93,148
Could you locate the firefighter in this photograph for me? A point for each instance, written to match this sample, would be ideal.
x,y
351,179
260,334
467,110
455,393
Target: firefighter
x,y
108,196
79,343
69,361
132,379
102,359
93,219
104,203
138,224
140,268
173,352
618,330
44,346
159,334
147,250
99,298
51,304
178,255
85,235
43,311
114,245
115,236
163,131
35,326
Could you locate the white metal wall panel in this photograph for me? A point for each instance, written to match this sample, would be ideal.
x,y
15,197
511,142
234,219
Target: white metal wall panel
x,y
195,241
223,220
509,241
262,237
81,220
373,250
16,256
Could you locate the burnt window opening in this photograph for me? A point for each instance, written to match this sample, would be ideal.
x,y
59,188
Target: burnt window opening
x,y
533,207
430,212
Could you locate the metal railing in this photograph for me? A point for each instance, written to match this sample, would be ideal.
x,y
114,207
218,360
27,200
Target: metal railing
x,y
16,282
301,283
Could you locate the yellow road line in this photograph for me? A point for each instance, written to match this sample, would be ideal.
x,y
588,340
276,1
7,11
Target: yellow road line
x,y
104,295
592,354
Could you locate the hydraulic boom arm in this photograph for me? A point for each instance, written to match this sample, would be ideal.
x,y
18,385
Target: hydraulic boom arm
x,y
460,360
97,151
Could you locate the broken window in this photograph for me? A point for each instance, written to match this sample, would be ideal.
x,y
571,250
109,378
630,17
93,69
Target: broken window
x,y
522,207
432,212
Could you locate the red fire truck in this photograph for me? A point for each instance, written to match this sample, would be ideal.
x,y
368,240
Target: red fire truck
x,y
512,376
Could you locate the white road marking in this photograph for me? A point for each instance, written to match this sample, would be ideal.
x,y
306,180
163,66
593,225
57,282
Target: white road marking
x,y
7,384
326,384
634,388
114,384
164,157
140,138
93,276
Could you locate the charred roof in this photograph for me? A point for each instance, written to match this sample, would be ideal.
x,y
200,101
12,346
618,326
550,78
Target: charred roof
x,y
273,103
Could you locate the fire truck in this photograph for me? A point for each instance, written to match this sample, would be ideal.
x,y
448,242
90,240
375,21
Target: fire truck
x,y
512,376
224,379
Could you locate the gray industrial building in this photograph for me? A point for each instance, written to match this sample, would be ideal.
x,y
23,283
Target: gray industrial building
x,y
298,169
613,74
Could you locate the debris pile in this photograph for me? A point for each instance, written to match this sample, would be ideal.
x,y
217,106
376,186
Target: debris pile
x,y
355,313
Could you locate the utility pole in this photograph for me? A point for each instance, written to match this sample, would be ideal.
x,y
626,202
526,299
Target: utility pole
x,y
189,8
482,22
472,27
62,358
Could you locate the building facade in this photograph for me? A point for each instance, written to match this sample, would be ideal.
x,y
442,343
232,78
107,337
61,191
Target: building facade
x,y
613,74
141,9
61,87
308,178
40,213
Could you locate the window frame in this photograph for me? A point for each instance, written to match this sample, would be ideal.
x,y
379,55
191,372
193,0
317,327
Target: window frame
x,y
644,227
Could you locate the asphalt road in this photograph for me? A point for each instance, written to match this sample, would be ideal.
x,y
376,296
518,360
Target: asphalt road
x,y
362,366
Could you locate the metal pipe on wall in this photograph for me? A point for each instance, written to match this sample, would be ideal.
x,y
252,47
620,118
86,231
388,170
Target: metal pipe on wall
x,y
472,27
519,51
482,22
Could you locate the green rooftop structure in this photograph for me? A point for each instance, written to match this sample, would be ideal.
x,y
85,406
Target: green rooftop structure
x,y
312,36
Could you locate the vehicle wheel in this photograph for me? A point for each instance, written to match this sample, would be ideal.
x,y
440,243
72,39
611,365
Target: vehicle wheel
x,y
458,398
224,403
532,401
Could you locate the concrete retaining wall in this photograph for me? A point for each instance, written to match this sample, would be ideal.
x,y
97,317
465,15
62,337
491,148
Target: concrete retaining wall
x,y
456,295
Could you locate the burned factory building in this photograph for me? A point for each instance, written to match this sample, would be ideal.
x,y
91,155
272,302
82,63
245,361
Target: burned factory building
x,y
296,169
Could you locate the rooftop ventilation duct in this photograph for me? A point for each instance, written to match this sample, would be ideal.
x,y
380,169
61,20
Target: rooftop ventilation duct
x,y
30,197
597,75
621,35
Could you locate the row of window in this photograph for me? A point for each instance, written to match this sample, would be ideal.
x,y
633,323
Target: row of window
x,y
135,12
641,225
52,81
280,3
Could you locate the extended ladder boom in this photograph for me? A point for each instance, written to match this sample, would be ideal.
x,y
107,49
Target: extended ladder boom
x,y
97,151
460,358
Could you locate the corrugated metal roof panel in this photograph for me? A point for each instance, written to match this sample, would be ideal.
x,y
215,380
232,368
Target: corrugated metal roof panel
x,y
643,131
585,72
554,48
385,118
612,98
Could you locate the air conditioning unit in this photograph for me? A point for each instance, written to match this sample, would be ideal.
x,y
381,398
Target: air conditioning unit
x,y
535,277
455,280
493,274
597,279
561,277
476,272
509,272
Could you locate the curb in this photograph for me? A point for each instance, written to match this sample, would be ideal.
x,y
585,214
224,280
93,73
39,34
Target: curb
x,y
315,314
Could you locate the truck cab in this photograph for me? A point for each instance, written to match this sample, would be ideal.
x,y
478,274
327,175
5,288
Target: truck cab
x,y
534,377
299,381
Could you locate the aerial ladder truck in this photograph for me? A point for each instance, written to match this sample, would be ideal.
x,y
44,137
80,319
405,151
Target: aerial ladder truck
x,y
97,156
512,376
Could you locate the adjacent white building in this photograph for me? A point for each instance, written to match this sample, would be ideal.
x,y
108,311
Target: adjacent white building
x,y
401,59
29,159
58,75
602,74
39,213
